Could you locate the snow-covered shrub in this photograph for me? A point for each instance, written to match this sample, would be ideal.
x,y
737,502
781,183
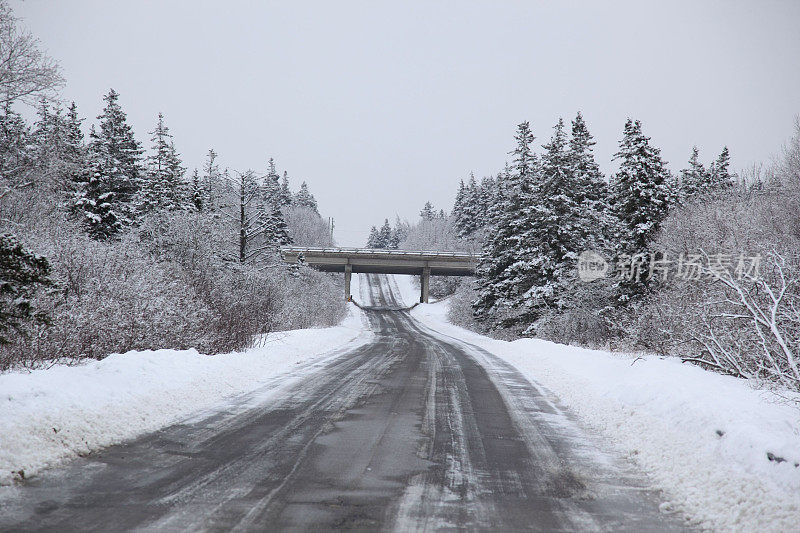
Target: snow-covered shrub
x,y
171,282
745,325
245,300
588,317
306,227
309,299
438,234
459,310
108,297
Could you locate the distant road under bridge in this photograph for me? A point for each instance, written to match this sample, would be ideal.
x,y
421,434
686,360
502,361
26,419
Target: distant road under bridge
x,y
373,261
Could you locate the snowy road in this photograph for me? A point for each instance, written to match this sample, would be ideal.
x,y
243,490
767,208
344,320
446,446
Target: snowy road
x,y
413,431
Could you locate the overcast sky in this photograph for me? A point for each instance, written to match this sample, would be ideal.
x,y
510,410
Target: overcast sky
x,y
381,106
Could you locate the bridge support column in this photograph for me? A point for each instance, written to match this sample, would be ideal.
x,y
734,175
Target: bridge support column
x,y
348,273
424,284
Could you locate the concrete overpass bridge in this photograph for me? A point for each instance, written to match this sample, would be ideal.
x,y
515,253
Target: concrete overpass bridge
x,y
374,261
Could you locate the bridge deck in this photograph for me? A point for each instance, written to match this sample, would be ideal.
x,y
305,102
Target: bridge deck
x,y
366,260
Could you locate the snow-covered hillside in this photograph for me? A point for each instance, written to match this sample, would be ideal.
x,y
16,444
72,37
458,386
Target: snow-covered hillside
x,y
49,415
725,453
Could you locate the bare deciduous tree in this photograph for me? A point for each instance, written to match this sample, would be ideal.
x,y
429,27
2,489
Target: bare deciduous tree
x,y
26,73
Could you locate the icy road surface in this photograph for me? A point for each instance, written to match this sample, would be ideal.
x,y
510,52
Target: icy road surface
x,y
414,431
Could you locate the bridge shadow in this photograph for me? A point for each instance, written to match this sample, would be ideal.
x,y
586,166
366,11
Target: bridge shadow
x,y
383,307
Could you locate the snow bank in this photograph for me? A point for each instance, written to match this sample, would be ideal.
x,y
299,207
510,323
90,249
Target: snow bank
x,y
47,416
705,439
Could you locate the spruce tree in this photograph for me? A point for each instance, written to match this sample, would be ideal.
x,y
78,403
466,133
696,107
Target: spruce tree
x,y
399,233
553,235
179,190
108,197
641,194
459,215
58,148
372,240
22,273
156,183
720,177
286,193
427,212
271,185
211,182
468,222
385,235
590,190
45,135
496,272
304,198
74,151
488,195
164,186
197,191
693,180
15,145
277,230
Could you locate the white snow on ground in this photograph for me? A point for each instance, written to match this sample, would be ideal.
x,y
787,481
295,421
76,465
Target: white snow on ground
x,y
49,415
667,417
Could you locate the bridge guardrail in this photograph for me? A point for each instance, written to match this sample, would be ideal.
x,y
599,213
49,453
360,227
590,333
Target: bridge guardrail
x,y
381,251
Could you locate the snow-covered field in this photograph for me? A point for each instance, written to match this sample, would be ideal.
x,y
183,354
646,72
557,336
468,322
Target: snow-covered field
x,y
50,415
705,439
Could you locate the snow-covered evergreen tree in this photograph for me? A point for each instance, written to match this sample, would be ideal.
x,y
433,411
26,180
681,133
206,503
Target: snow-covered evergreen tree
x,y
372,240
720,176
276,229
22,272
15,144
641,194
385,235
58,148
694,179
211,183
47,133
108,197
196,188
180,190
468,220
553,234
304,198
427,212
164,186
590,190
498,282
74,151
272,184
399,233
259,228
286,193
488,196
458,212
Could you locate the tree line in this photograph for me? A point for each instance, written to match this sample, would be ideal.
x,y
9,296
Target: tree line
x,y
533,220
108,247
702,264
